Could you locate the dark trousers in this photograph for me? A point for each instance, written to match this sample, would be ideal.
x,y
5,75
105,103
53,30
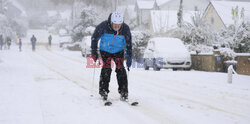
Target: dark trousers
x,y
121,75
33,47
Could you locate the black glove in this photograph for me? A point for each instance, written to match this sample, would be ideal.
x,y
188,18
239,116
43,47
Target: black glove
x,y
129,61
94,55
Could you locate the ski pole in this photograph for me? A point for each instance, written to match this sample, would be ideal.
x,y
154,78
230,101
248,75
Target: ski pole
x,y
128,73
92,88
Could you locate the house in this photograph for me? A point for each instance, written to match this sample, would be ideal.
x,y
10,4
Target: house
x,y
128,12
162,21
219,14
189,5
15,9
143,9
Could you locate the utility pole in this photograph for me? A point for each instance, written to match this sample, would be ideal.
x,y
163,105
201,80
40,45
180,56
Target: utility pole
x,y
180,15
117,1
73,13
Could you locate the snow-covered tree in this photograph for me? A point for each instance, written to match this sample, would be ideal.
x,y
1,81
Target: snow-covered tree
x,y
140,41
6,29
237,37
197,33
20,26
86,20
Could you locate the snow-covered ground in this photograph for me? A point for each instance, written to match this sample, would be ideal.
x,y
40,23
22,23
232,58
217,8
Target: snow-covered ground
x,y
51,86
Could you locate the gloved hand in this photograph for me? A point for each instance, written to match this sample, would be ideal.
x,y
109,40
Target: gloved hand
x,y
94,55
129,62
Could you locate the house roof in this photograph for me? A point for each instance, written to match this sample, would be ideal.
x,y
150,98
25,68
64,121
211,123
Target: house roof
x,y
145,4
166,20
161,2
224,10
187,4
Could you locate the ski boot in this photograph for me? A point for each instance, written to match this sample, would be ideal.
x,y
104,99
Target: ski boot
x,y
124,97
104,96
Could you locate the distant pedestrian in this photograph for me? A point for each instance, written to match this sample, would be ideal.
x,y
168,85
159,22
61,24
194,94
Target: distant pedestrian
x,y
50,40
1,42
8,41
33,42
20,44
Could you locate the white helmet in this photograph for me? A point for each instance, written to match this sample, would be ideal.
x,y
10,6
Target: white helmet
x,y
117,18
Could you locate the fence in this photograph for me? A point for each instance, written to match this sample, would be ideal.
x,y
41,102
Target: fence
x,y
214,62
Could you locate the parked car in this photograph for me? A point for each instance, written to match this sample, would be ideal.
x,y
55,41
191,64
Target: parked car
x,y
85,46
163,52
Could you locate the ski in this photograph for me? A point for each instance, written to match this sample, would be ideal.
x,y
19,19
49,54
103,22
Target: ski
x,y
107,103
134,103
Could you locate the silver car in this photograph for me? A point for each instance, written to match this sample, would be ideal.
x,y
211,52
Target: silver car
x,y
163,52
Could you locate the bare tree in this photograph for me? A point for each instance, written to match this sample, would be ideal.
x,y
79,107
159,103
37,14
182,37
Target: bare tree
x,y
180,14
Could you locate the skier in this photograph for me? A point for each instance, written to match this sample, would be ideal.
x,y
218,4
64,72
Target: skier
x,y
1,42
50,39
115,39
33,42
8,41
20,44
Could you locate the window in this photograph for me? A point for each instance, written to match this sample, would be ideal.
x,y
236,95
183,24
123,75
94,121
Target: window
x,y
212,20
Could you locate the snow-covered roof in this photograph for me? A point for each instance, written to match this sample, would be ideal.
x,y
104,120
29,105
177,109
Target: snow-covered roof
x,y
161,2
165,20
18,6
145,4
224,10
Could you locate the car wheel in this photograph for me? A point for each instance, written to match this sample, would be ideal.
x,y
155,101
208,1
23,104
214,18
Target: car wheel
x,y
83,55
146,67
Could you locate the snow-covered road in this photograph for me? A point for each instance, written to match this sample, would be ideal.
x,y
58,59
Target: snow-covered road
x,y
51,86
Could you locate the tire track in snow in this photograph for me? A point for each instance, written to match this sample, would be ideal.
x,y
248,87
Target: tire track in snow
x,y
50,67
178,91
56,69
163,89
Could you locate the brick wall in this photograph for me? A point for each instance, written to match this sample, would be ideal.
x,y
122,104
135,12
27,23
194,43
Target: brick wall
x,y
215,63
207,62
243,64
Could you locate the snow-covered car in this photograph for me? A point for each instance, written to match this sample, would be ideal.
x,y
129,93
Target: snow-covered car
x,y
85,46
163,52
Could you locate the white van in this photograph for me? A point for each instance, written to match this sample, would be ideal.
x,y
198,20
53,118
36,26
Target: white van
x,y
163,52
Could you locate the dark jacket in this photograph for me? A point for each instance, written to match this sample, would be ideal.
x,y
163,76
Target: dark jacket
x,y
105,29
33,39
